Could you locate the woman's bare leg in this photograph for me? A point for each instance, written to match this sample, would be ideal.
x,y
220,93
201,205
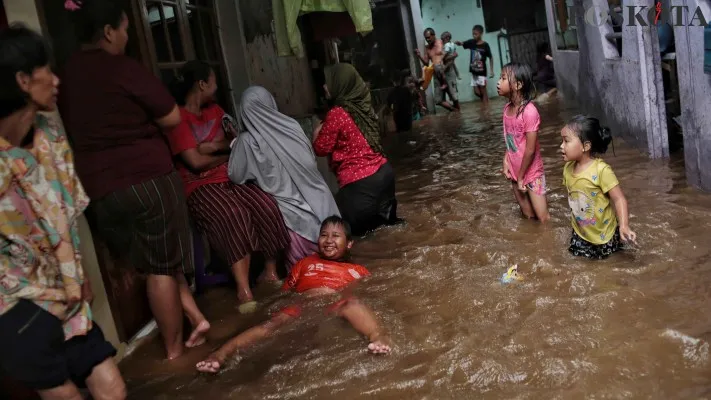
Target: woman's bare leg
x,y
68,391
270,271
215,361
105,382
364,321
240,269
164,300
195,316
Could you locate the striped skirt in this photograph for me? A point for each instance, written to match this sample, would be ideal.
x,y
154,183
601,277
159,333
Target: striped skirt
x,y
238,220
150,222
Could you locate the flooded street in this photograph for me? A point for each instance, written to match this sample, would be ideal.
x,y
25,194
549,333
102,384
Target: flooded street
x,y
634,326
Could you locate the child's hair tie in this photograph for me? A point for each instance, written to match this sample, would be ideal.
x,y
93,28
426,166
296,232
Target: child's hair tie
x,y
72,5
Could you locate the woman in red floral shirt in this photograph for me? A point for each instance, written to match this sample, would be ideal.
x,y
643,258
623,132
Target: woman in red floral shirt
x,y
350,138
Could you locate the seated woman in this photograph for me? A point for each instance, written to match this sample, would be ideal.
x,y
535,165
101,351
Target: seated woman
x,y
237,220
349,136
274,152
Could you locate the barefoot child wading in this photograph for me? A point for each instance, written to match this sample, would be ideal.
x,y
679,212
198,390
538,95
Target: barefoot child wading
x,y
321,274
523,164
592,190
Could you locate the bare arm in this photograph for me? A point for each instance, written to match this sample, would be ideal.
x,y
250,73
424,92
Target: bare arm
x,y
449,58
531,140
199,162
623,217
425,59
216,147
171,120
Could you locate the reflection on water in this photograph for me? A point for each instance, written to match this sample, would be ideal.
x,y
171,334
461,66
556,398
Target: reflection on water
x,y
634,326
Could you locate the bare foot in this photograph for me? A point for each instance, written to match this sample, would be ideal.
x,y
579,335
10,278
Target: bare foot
x,y
269,278
211,364
197,337
379,345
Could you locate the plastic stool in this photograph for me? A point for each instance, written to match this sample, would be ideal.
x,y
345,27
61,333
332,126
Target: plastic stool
x,y
203,280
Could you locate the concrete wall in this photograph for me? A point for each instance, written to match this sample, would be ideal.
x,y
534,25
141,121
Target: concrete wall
x,y
695,96
289,79
458,17
25,11
625,92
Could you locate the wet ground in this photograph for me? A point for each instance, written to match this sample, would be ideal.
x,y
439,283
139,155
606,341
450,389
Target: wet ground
x,y
634,326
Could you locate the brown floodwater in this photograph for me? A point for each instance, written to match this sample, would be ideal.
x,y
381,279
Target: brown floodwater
x,y
635,326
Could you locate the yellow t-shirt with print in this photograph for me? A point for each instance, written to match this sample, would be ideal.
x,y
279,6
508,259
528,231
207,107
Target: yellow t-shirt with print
x,y
593,217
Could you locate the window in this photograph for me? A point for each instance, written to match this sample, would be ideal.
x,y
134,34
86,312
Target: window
x,y
181,30
512,15
566,33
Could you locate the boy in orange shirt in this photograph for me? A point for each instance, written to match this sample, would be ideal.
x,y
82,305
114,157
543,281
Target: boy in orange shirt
x,y
323,273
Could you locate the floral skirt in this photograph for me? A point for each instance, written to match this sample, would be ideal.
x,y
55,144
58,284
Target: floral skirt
x,y
583,248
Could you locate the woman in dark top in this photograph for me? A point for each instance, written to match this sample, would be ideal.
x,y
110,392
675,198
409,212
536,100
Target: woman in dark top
x,y
116,113
350,138
545,74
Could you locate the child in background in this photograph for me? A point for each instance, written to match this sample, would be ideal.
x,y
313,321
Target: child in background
x,y
322,274
480,51
593,189
523,164
400,101
450,53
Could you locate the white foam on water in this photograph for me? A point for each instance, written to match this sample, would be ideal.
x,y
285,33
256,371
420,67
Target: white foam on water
x,y
695,351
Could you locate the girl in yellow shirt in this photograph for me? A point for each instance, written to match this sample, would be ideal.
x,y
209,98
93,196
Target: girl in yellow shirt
x,y
593,191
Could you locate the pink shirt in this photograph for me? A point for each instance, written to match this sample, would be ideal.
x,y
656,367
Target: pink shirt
x,y
350,155
515,129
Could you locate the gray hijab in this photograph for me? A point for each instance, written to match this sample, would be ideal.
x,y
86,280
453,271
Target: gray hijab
x,y
274,152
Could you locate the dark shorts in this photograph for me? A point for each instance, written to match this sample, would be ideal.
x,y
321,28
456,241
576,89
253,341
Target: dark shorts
x,y
583,248
452,90
148,221
35,353
369,202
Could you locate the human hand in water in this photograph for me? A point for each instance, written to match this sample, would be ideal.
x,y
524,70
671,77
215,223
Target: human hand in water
x,y
627,235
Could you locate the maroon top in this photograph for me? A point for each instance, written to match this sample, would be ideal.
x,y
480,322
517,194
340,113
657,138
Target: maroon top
x,y
109,104
350,155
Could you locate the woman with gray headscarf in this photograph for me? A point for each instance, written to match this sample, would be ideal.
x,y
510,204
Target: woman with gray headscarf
x,y
274,152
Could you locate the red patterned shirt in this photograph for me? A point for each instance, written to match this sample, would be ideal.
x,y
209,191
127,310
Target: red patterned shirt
x,y
350,155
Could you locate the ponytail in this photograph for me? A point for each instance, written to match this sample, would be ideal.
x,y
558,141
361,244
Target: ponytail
x,y
589,130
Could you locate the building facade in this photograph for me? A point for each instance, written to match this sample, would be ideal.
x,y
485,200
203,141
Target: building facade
x,y
614,69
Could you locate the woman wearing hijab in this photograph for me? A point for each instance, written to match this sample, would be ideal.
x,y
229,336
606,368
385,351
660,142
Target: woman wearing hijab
x,y
237,220
274,152
350,138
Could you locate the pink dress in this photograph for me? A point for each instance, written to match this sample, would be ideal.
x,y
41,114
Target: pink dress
x,y
515,129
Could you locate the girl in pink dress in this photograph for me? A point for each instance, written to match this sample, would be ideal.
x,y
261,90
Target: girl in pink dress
x,y
523,164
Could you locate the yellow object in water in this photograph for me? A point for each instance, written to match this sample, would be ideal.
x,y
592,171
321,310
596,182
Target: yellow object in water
x,y
511,275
